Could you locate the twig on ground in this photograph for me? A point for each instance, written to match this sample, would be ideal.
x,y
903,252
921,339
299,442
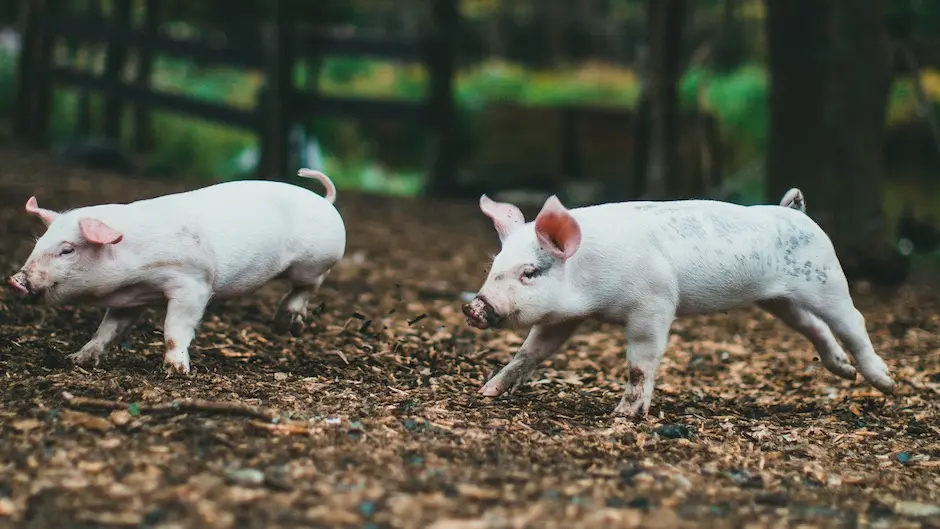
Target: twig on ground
x,y
290,429
174,406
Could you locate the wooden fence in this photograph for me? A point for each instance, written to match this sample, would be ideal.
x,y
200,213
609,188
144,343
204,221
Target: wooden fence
x,y
282,45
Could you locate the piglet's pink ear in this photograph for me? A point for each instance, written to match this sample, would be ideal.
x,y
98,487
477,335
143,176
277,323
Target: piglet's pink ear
x,y
47,216
557,230
506,217
97,232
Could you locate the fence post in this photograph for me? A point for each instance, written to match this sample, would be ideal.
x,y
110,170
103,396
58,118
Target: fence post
x,y
83,108
34,87
279,62
26,71
114,67
143,128
442,65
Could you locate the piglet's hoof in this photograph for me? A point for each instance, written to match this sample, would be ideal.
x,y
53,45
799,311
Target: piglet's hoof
x,y
175,363
508,380
85,357
491,389
631,409
296,325
175,369
289,322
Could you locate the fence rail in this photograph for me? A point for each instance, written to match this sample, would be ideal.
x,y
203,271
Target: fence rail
x,y
101,31
272,43
282,45
248,119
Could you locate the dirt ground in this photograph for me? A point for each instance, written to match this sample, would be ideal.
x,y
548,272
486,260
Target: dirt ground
x,y
371,418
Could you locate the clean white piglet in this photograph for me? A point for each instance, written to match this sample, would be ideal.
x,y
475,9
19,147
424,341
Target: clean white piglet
x,y
642,264
182,250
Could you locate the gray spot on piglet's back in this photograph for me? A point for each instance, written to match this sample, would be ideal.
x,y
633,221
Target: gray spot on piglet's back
x,y
723,228
789,242
687,227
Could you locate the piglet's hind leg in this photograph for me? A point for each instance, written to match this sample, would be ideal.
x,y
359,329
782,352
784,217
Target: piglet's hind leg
x,y
849,325
810,326
293,308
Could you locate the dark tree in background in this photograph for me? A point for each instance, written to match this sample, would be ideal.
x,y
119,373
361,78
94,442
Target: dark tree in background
x,y
657,131
830,73
730,44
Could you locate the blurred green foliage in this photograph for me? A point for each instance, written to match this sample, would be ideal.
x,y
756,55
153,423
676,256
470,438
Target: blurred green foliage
x,y
739,101
352,152
737,98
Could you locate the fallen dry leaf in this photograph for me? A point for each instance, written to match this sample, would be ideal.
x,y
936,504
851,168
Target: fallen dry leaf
x,y
25,425
120,417
7,507
72,418
459,524
477,493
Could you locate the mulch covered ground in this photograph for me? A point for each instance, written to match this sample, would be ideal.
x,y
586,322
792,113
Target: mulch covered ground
x,y
371,418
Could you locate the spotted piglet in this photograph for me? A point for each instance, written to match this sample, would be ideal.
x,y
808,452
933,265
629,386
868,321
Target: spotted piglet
x,y
180,251
643,264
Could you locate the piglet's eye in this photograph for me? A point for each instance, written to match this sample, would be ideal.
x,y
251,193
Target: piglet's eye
x,y
530,273
66,250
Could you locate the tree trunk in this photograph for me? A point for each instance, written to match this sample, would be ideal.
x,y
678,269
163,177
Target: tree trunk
x,y
730,49
830,72
664,29
442,65
493,32
555,32
640,130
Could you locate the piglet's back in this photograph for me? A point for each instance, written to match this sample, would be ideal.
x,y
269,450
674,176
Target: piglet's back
x,y
242,230
262,224
245,209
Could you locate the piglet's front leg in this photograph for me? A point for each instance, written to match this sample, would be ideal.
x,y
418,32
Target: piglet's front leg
x,y
184,312
541,343
114,325
647,337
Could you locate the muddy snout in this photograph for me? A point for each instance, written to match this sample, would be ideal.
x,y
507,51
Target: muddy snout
x,y
19,284
481,314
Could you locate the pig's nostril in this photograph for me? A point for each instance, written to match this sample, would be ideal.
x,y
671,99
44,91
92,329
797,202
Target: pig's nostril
x,y
479,313
490,314
20,284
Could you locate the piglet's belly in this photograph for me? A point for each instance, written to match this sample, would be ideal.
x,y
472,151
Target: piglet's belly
x,y
695,305
233,282
241,286
719,282
720,294
131,296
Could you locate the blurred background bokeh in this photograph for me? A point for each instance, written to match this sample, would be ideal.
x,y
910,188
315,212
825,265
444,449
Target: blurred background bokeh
x,y
593,100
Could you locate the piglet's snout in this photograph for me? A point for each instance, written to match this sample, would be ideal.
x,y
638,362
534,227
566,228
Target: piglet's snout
x,y
481,314
19,283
